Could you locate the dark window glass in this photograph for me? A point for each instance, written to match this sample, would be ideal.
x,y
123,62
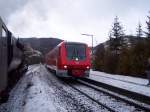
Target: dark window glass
x,y
4,34
76,51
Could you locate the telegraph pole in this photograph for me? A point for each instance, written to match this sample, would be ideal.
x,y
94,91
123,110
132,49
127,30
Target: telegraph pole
x,y
92,41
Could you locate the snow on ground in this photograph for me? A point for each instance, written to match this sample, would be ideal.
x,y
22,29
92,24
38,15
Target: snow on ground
x,y
117,105
37,99
40,91
130,83
29,95
69,98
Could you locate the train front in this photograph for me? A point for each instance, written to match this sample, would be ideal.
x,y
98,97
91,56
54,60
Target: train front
x,y
75,59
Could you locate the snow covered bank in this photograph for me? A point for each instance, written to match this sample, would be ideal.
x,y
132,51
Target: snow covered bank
x,y
29,95
40,91
37,99
130,83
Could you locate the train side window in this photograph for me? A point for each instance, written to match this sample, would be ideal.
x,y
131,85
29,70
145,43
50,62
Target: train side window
x,y
12,41
4,34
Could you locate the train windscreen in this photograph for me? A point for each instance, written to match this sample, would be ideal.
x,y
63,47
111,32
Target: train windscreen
x,y
75,51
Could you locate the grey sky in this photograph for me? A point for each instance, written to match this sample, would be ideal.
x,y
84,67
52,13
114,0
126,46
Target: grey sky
x,y
67,19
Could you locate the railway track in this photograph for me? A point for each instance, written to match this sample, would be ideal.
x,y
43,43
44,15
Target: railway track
x,y
94,100
75,99
75,84
122,94
101,103
132,95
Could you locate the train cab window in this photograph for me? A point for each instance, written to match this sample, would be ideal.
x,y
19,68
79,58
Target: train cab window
x,y
76,51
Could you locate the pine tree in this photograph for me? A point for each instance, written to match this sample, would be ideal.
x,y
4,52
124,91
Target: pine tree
x,y
117,29
148,27
116,36
139,30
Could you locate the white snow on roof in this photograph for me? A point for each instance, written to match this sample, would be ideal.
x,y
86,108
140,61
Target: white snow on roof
x,y
127,82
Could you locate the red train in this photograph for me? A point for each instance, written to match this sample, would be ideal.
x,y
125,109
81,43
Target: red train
x,y
69,59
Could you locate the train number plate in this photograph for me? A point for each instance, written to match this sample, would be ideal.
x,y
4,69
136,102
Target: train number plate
x,y
77,72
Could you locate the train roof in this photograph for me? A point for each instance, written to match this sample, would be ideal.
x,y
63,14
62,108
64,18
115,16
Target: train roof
x,y
3,24
70,42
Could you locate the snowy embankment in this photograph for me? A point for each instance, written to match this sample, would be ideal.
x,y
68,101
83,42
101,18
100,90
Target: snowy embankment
x,y
29,95
37,98
126,82
40,91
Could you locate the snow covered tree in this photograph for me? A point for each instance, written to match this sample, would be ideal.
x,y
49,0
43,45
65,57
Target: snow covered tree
x,y
148,27
117,29
116,36
139,30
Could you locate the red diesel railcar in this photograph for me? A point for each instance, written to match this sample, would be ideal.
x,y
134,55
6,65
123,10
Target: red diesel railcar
x,y
69,59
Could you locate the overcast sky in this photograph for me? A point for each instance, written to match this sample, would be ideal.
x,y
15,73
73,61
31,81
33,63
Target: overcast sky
x,y
67,19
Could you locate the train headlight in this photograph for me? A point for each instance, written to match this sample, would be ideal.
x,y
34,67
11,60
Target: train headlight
x,y
87,67
65,66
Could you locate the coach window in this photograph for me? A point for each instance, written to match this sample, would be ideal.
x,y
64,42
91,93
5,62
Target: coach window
x,y
4,34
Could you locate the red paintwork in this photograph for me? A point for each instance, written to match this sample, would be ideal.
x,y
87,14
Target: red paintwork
x,y
57,57
77,73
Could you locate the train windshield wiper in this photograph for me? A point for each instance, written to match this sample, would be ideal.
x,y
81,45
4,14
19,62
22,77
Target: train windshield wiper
x,y
73,53
77,54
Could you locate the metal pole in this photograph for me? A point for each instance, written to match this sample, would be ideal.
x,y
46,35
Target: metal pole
x,y
92,41
92,46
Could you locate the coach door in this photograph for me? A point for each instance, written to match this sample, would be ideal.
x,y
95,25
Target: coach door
x,y
3,56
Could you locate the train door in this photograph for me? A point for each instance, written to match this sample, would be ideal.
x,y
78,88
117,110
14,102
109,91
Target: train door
x,y
3,56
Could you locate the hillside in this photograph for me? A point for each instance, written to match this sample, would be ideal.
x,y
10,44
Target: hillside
x,y
128,39
43,45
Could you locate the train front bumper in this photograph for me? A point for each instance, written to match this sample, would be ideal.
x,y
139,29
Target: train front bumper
x,y
72,73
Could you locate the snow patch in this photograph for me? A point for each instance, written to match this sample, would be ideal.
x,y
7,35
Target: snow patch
x,y
129,83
